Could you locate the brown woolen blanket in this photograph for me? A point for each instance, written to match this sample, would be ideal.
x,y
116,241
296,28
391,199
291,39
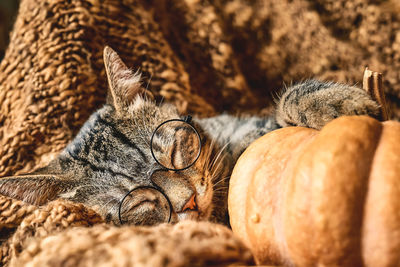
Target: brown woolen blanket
x,y
204,56
68,234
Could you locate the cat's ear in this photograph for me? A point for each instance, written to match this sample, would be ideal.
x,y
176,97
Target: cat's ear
x,y
124,84
34,189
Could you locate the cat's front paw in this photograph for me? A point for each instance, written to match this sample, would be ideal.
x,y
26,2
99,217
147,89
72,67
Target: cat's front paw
x,y
313,104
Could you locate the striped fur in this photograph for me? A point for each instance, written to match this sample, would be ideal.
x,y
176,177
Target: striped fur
x,y
111,154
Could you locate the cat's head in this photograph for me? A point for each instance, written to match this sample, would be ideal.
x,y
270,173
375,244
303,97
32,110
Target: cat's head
x,y
116,163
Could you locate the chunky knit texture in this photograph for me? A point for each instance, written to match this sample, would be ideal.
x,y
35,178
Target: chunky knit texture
x,y
59,234
183,244
22,222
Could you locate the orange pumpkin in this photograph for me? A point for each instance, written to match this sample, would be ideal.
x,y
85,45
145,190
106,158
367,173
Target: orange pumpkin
x,y
304,197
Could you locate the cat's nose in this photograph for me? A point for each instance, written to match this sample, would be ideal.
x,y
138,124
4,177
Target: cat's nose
x,y
190,204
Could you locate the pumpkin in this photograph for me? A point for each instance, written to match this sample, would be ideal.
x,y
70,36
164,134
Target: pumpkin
x,y
304,197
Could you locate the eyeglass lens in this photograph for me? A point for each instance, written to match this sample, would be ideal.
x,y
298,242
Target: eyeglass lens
x,y
145,205
175,145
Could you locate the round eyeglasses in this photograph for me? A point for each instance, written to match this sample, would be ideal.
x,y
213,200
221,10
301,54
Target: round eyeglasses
x,y
176,146
145,205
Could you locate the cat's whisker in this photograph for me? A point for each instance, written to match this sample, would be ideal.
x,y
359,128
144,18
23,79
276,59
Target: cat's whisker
x,y
217,158
221,150
217,167
210,159
208,163
221,181
221,189
208,156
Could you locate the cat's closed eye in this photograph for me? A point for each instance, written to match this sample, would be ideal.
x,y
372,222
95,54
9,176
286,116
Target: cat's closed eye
x,y
146,205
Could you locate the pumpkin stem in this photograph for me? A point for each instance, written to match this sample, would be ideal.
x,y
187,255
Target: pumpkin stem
x,y
372,83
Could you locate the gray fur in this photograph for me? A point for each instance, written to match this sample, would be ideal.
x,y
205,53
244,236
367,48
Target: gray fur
x,y
111,154
314,103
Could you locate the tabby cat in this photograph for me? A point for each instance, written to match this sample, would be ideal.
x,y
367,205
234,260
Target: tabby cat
x,y
133,165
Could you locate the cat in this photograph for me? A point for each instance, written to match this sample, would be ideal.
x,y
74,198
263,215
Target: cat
x,y
116,163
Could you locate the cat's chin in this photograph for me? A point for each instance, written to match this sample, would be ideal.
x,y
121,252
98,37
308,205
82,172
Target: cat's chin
x,y
188,215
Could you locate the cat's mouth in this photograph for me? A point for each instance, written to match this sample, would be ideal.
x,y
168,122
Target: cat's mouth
x,y
198,209
190,211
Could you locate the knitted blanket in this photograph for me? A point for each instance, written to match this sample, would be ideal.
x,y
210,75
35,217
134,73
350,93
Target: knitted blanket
x,y
204,56
59,235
